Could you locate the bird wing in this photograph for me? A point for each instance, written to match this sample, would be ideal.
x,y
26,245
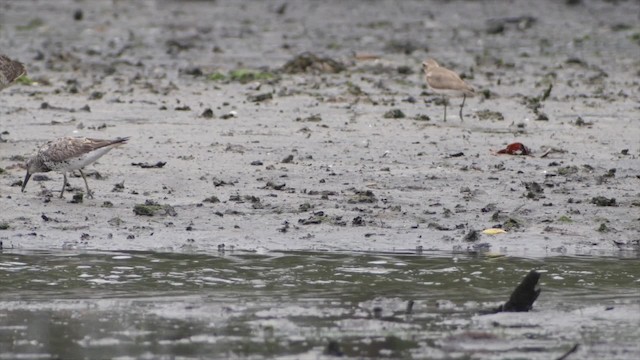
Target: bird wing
x,y
69,147
11,69
443,79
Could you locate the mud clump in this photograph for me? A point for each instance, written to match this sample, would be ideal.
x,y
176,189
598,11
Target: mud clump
x,y
567,170
499,26
308,62
534,190
212,199
362,196
146,165
603,201
260,97
472,236
394,114
489,115
242,76
310,118
207,113
511,224
77,199
152,208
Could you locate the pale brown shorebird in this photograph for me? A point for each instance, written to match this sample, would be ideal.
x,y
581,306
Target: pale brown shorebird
x,y
446,83
68,154
10,71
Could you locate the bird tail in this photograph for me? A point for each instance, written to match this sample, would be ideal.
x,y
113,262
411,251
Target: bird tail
x,y
120,141
470,91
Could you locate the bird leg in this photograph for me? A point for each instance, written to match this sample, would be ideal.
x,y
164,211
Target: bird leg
x,y
64,184
89,193
444,101
461,106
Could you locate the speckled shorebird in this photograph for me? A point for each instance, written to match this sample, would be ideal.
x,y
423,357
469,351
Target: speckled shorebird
x,y
446,82
68,154
10,71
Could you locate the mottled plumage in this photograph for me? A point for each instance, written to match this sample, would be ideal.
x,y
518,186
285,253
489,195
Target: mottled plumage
x,y
10,71
67,154
446,82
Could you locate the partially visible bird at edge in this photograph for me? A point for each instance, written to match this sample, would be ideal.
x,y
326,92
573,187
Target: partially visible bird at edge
x,y
10,71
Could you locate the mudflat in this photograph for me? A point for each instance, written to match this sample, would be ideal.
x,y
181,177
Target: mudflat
x,y
308,125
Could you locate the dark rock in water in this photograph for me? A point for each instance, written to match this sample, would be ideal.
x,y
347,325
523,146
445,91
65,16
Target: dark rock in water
x,y
523,297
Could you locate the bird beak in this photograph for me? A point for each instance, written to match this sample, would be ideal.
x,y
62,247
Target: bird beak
x,y
26,179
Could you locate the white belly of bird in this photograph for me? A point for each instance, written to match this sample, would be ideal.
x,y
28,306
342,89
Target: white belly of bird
x,y
449,92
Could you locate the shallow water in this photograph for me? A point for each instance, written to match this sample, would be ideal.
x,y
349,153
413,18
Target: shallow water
x,y
231,304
